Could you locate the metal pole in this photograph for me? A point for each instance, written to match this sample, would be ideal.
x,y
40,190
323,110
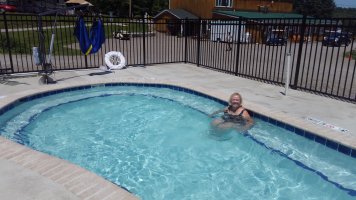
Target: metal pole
x,y
144,41
185,39
287,74
50,49
300,51
238,48
198,43
8,42
42,52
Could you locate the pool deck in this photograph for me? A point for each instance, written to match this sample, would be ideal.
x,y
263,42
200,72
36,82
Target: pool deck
x,y
28,174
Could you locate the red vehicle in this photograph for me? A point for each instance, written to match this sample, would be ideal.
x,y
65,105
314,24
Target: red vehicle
x,y
7,8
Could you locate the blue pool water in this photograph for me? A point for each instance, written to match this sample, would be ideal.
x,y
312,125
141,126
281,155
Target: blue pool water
x,y
158,144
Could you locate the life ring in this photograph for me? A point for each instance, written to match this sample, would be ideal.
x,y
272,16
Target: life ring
x,y
115,60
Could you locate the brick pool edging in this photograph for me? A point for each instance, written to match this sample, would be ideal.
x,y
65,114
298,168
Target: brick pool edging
x,y
75,179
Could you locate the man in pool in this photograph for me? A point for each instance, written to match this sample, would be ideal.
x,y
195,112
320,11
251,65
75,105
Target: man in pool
x,y
235,116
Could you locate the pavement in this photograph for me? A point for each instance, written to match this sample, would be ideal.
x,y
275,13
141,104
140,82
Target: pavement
x,y
15,179
297,108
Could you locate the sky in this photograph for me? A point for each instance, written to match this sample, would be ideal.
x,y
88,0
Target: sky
x,y
346,3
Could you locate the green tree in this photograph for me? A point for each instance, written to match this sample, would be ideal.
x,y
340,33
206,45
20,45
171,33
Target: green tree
x,y
139,7
345,12
119,7
315,8
349,21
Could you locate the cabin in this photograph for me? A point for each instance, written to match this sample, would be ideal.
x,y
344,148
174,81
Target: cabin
x,y
205,8
219,10
178,22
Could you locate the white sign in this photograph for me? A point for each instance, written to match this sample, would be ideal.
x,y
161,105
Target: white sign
x,y
327,125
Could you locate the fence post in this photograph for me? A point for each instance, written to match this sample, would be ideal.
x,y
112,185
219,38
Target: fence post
x,y
185,39
238,48
86,61
198,43
144,40
8,42
42,53
287,74
301,41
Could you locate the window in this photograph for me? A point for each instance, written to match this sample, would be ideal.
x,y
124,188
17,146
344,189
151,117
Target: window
x,y
223,3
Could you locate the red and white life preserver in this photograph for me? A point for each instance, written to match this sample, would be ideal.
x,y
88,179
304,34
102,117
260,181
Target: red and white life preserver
x,y
115,60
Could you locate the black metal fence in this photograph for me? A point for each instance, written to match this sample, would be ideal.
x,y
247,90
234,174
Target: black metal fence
x,y
322,50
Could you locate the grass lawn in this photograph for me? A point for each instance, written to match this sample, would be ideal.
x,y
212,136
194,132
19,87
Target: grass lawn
x,y
353,54
23,33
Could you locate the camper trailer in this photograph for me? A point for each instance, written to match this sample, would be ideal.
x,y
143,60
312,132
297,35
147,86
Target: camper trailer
x,y
219,31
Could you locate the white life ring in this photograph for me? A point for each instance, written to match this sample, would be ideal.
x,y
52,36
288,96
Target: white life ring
x,y
115,60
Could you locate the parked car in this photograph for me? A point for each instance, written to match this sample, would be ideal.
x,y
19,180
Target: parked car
x,y
276,37
7,8
336,38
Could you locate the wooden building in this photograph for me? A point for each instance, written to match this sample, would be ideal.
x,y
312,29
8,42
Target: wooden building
x,y
253,12
204,8
175,21
256,21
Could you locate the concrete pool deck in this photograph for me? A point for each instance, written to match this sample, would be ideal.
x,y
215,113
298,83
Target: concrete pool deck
x,y
18,163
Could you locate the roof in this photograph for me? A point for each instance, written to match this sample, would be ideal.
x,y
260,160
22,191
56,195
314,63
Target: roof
x,y
270,17
257,15
178,13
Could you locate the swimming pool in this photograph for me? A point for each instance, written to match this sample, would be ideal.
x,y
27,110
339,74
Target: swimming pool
x,y
157,143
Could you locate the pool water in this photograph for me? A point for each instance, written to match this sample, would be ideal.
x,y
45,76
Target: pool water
x,y
158,144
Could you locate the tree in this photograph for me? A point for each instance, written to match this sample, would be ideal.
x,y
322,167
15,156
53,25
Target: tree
x,y
139,7
315,8
120,7
345,12
349,22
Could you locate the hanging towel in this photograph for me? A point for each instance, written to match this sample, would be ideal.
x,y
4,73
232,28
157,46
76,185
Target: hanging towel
x,y
81,33
89,43
97,35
